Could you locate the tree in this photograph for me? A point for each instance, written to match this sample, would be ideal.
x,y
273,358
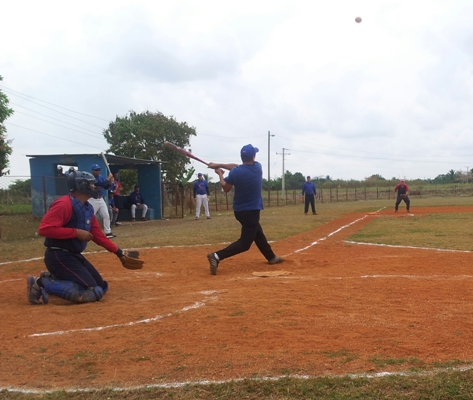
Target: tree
x,y
375,178
5,148
142,136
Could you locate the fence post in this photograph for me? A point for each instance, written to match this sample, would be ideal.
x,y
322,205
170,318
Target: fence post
x,y
347,193
44,196
191,196
162,198
365,192
330,195
216,198
377,193
336,193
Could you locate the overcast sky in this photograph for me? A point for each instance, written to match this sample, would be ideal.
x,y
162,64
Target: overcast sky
x,y
391,95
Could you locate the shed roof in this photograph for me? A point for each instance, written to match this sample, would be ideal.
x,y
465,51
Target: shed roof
x,y
111,158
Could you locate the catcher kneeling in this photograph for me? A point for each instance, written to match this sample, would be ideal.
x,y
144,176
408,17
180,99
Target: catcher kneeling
x,y
68,225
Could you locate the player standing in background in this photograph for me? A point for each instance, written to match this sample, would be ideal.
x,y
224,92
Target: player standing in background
x,y
402,194
308,193
99,203
201,196
247,179
68,226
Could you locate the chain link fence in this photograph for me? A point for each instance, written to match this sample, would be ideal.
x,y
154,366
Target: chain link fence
x,y
22,206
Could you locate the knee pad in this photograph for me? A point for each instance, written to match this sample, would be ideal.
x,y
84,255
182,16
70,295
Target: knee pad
x,y
71,291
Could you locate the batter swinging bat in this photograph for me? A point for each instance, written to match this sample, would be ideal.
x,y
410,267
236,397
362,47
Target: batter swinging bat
x,y
106,163
172,146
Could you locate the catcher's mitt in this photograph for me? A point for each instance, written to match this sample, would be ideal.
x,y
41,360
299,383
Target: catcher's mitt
x,y
132,262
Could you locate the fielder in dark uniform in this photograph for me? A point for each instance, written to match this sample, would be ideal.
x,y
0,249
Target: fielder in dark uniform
x,y
402,195
309,193
68,225
247,179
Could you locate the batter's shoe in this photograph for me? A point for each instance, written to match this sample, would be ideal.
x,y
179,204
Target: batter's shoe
x,y
275,260
213,263
110,235
209,217
34,292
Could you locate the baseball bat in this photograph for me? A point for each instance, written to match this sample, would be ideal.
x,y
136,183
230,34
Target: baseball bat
x,y
172,146
106,163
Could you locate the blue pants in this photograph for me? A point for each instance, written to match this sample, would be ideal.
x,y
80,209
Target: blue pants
x,y
71,267
251,231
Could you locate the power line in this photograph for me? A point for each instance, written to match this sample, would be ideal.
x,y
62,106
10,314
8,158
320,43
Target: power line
x,y
69,116
56,137
66,127
55,105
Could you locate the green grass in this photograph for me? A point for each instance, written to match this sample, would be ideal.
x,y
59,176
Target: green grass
x,y
440,385
442,231
421,381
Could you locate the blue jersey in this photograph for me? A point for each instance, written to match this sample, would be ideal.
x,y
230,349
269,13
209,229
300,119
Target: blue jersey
x,y
136,198
308,188
201,187
103,183
248,182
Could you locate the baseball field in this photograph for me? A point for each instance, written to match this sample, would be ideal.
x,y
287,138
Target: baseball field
x,y
364,295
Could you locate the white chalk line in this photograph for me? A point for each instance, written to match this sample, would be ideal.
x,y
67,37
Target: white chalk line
x,y
325,238
407,247
10,280
178,385
194,306
106,251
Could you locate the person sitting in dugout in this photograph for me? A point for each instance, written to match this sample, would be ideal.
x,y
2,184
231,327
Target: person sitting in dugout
x,y
68,226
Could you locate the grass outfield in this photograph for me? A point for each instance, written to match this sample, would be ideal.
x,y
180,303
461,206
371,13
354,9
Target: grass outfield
x,y
444,231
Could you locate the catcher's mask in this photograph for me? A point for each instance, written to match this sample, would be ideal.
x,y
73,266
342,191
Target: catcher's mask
x,y
82,182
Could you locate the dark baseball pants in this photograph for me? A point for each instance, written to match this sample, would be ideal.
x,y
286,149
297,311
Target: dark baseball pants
x,y
309,199
398,201
71,267
251,231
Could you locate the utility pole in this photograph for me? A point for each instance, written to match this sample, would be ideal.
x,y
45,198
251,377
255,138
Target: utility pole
x,y
269,160
283,156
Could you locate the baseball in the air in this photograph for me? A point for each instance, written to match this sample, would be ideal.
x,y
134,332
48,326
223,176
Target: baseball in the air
x,y
358,19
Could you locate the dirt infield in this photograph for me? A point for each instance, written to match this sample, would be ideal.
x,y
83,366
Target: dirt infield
x,y
343,308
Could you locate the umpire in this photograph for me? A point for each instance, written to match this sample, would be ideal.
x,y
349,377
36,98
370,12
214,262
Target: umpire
x,y
309,193
402,194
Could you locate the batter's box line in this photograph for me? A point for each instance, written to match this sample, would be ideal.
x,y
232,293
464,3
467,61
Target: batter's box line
x,y
326,237
407,247
194,306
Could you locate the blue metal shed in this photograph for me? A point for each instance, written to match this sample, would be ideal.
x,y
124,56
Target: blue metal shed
x,y
46,185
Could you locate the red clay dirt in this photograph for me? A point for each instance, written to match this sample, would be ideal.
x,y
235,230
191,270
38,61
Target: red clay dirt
x,y
344,308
